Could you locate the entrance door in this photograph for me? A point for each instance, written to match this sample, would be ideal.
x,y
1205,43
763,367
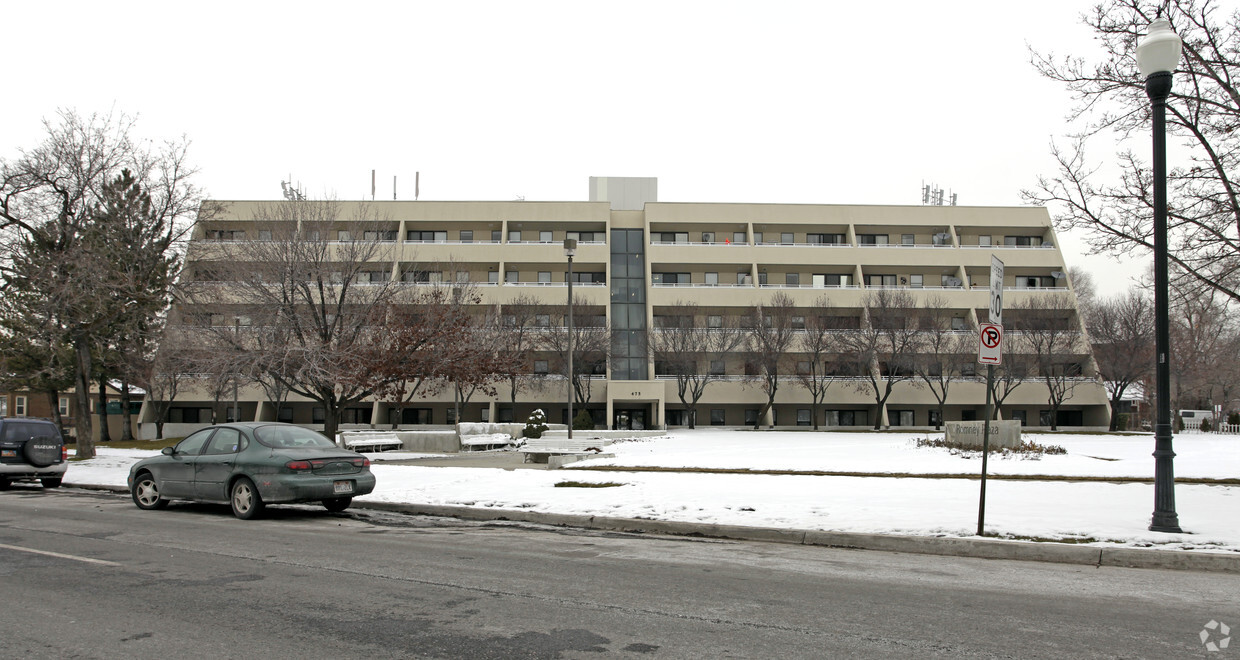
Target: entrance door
x,y
629,419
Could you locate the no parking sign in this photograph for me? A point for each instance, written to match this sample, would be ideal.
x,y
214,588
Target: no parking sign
x,y
990,343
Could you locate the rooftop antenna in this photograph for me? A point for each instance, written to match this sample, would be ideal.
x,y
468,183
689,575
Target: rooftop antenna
x,y
393,187
933,195
372,185
417,184
290,193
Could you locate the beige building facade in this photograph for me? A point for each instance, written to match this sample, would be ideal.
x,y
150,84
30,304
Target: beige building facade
x,y
637,260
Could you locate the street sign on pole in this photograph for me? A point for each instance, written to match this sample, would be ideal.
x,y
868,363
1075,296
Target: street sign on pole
x,y
996,290
990,343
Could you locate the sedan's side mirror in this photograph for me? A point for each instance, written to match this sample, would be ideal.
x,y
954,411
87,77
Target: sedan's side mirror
x,y
168,451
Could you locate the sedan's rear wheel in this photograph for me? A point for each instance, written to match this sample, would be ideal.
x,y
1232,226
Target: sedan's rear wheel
x,y
51,482
146,492
337,504
246,502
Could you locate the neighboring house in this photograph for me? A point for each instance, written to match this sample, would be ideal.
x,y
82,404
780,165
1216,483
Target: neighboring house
x,y
21,403
637,257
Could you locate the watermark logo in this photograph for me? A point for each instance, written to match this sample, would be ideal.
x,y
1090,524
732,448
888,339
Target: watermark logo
x,y
1216,636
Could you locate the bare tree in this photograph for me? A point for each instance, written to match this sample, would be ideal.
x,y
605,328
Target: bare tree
x,y
591,343
521,338
770,333
884,346
944,352
58,231
1202,328
1051,330
1203,110
321,271
694,355
818,348
1010,374
1121,329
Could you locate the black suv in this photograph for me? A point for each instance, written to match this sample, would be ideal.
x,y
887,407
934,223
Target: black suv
x,y
31,449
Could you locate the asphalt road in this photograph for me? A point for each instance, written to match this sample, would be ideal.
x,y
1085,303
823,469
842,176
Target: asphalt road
x,y
88,575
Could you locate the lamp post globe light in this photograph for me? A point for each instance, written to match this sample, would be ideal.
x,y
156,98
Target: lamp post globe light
x,y
570,249
1158,54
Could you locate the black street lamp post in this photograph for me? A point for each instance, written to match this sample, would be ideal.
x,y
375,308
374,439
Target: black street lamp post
x,y
570,249
1158,53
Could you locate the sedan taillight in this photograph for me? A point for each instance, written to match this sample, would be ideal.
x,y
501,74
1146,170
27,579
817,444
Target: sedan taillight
x,y
361,462
298,465
64,453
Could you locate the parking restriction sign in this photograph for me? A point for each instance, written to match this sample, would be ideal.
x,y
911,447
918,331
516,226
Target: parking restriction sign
x,y
990,343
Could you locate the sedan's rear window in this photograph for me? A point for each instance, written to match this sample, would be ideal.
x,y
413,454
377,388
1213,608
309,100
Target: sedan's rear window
x,y
290,436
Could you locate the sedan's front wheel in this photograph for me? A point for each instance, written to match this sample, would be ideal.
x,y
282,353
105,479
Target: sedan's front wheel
x,y
246,502
146,493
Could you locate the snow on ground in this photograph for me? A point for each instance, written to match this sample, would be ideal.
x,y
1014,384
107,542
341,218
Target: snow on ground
x,y
1102,513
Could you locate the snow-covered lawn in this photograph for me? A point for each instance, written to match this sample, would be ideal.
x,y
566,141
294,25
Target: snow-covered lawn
x,y
1103,512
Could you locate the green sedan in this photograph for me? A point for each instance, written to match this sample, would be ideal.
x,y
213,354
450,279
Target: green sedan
x,y
250,465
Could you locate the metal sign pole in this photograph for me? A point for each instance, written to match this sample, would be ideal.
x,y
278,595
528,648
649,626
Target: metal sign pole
x,y
981,507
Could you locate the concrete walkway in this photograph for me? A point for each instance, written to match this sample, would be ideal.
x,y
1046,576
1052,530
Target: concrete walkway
x,y
505,460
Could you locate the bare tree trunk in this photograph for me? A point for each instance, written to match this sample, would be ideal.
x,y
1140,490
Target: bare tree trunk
x,y
85,439
53,400
126,416
104,434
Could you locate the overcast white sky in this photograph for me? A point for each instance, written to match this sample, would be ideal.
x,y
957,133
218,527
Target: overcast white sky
x,y
813,102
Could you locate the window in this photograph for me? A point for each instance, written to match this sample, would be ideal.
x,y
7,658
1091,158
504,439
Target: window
x,y
716,367
1023,241
742,278
708,237
802,367
716,416
4,407
63,407
493,277
462,276
425,236
983,241
496,235
714,321
824,239
452,415
512,276
785,238
542,320
544,276
793,279
193,444
675,418
545,237
901,417
751,416
385,235
907,239
225,441
821,280
950,281
285,415
343,235
1019,415
762,278
936,420
264,234
803,417
959,323
916,281
467,236
740,238
872,239
880,280
757,238
318,415
712,279
514,237
503,414
19,407
797,322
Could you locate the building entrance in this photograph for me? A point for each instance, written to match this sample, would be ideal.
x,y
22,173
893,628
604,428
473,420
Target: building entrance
x,y
630,419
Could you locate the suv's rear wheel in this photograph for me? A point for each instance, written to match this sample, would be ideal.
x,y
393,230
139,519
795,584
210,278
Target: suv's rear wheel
x,y
51,482
146,493
5,483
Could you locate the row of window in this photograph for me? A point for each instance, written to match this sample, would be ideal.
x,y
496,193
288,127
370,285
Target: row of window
x,y
546,236
21,407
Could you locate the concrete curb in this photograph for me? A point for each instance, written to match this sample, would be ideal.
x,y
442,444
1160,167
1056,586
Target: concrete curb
x,y
1061,553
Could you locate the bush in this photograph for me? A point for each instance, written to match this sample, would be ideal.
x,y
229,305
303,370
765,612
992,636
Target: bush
x,y
583,421
1233,418
1205,426
536,425
1121,422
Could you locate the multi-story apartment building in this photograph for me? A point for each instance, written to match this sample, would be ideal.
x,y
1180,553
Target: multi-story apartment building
x,y
637,260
